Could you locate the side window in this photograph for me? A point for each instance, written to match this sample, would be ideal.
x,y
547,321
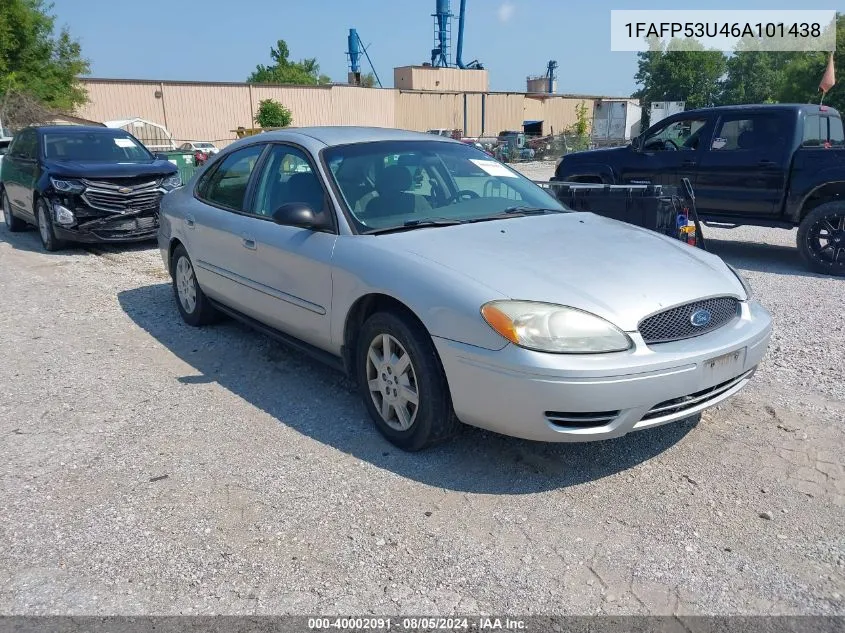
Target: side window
x,y
679,135
837,138
813,136
226,185
287,177
749,132
25,145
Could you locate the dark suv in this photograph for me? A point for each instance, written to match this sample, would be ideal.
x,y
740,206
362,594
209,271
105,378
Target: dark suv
x,y
83,184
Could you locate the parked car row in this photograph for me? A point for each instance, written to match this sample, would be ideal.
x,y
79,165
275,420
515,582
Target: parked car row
x,y
449,287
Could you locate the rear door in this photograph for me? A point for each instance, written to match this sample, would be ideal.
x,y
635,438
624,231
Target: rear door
x,y
670,151
21,173
744,169
217,237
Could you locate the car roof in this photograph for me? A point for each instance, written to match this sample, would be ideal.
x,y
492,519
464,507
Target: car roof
x,y
78,128
344,135
775,107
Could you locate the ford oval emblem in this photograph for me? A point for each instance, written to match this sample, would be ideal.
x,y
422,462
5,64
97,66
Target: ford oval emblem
x,y
700,318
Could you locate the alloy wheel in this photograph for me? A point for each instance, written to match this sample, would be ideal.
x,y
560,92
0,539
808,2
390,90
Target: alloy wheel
x,y
7,210
43,226
185,285
392,382
827,239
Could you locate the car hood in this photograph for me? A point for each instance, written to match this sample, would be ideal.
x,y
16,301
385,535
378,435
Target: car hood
x,y
80,169
615,270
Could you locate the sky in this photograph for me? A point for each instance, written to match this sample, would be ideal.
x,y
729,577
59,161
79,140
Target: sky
x,y
222,40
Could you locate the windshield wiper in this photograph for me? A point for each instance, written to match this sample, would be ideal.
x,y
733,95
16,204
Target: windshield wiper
x,y
410,225
516,212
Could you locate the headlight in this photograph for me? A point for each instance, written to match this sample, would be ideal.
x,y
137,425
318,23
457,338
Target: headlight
x,y
67,186
63,214
745,285
172,182
546,327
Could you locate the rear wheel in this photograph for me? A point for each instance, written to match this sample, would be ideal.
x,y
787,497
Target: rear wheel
x,y
402,382
45,227
194,306
821,239
13,223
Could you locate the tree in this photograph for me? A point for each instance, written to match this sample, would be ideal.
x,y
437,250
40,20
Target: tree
x,y
753,75
669,74
35,60
273,114
305,72
368,80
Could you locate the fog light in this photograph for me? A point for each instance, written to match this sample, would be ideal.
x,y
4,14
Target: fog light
x,y
63,214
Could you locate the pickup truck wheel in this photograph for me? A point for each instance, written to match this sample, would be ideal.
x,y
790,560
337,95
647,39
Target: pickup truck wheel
x,y
193,305
821,239
13,223
402,383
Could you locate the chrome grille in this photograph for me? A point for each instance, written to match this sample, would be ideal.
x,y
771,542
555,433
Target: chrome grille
x,y
118,197
676,324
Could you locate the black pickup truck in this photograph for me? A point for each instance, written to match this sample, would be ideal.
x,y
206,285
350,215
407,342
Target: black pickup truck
x,y
765,165
83,184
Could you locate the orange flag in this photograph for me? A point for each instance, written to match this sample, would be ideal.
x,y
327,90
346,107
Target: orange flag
x,y
829,77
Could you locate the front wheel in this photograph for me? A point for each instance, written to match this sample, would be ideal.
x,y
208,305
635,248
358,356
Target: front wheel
x,y
45,227
194,306
821,239
402,382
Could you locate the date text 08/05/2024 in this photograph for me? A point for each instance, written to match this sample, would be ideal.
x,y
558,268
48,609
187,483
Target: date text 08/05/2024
x,y
715,29
411,624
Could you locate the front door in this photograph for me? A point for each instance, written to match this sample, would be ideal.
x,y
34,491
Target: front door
x,y
669,151
743,170
21,173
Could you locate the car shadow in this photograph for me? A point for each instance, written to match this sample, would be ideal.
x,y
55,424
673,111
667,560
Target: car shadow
x,y
760,257
321,403
29,241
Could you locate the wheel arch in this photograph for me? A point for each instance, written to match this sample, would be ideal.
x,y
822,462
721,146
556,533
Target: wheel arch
x,y
175,243
362,309
828,192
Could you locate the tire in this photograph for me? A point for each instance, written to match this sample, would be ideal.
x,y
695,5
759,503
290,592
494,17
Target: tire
x,y
13,223
821,239
45,227
194,306
416,370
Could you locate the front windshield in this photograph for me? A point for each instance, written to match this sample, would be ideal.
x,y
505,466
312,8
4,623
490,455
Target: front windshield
x,y
392,183
94,147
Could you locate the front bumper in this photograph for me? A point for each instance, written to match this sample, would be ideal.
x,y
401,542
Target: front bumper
x,y
574,398
120,228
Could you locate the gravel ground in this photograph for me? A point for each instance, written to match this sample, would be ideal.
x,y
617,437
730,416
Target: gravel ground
x,y
151,468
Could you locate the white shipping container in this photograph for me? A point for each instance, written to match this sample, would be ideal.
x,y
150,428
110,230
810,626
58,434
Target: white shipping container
x,y
615,121
661,109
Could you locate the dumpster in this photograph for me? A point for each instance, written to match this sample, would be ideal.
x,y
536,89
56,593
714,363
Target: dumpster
x,y
184,161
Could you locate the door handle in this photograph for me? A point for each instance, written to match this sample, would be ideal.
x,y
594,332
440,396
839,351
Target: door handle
x,y
767,163
688,163
189,221
248,242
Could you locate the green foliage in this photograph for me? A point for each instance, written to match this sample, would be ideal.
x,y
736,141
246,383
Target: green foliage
x,y
669,74
305,72
368,80
704,78
37,61
272,114
582,120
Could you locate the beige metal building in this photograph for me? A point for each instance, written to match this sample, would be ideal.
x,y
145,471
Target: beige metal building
x,y
197,111
440,79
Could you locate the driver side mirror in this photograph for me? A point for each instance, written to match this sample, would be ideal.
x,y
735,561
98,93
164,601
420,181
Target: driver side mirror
x,y
637,143
300,215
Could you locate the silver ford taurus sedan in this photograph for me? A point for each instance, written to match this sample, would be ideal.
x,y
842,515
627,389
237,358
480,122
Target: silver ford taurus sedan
x,y
453,289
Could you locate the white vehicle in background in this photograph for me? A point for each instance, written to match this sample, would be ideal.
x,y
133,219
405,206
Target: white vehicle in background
x,y
199,146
